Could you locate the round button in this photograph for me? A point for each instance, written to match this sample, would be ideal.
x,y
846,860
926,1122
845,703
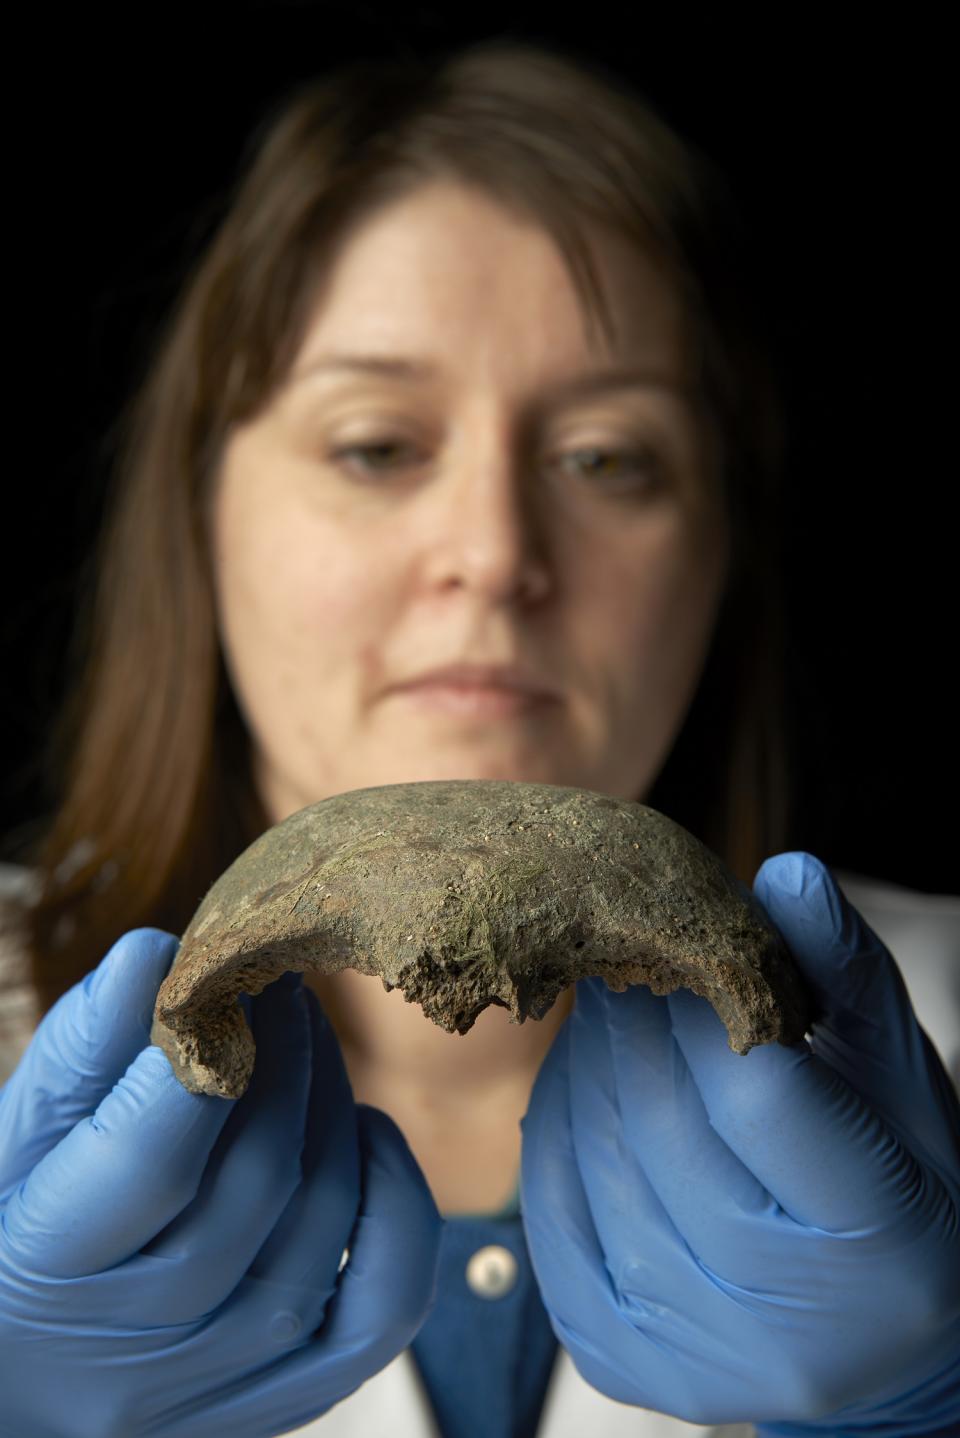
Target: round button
x,y
492,1271
284,1327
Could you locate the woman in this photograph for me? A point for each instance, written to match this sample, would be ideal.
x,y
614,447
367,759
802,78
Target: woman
x,y
385,436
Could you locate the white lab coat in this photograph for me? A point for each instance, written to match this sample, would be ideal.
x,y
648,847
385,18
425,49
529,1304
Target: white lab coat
x,y
392,1404
923,933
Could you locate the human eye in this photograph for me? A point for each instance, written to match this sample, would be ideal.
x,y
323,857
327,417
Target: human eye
x,y
640,468
344,454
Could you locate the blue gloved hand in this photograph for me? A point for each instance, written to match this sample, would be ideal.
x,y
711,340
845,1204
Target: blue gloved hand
x,y
169,1260
771,1237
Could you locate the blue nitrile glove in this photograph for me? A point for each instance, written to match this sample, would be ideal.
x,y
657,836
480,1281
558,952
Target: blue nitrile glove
x,y
169,1260
771,1237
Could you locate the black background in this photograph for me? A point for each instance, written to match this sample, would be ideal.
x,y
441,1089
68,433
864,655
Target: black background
x,y
835,141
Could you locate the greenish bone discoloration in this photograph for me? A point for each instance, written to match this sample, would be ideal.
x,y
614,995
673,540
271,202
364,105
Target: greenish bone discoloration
x,y
464,893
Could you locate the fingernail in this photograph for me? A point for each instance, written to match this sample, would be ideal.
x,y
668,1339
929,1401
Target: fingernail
x,y
804,877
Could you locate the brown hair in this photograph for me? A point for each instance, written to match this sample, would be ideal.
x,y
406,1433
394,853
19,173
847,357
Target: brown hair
x,y
150,759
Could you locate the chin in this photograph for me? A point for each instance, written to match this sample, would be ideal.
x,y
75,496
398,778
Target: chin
x,y
531,770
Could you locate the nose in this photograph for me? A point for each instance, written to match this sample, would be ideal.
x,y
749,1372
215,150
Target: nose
x,y
491,537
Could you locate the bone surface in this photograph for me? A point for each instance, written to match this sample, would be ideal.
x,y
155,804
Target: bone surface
x,y
464,893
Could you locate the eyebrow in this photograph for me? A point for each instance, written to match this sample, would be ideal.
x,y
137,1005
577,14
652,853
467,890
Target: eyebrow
x,y
418,370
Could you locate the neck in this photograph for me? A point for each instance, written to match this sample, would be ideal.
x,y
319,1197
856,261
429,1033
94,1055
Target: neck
x,y
457,1098
381,1033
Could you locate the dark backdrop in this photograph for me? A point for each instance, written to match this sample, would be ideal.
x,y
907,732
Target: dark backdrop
x,y
833,140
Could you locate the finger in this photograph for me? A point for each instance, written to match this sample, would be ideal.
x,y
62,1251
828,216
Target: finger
x,y
293,1275
868,1031
81,1048
298,1263
117,1177
253,1171
384,1294
674,1334
594,1299
629,1077
308,1242
824,1154
389,1282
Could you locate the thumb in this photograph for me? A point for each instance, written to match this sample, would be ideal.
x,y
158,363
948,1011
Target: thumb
x,y
867,1030
81,1048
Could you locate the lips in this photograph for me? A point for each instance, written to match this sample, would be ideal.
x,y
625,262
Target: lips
x,y
508,678
478,693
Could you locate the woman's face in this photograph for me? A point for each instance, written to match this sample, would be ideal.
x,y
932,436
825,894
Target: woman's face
x,y
501,517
